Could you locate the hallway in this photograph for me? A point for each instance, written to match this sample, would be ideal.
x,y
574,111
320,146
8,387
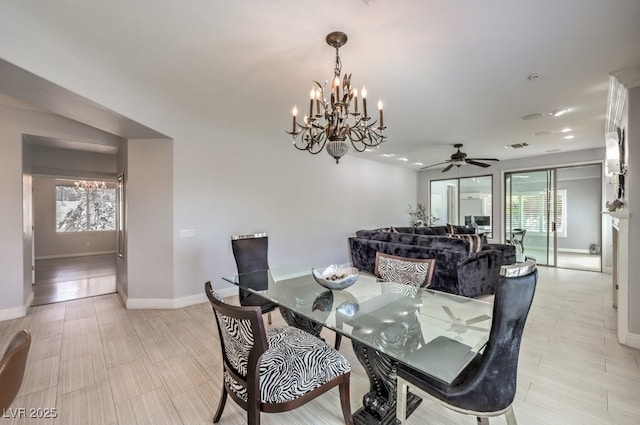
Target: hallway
x,y
64,279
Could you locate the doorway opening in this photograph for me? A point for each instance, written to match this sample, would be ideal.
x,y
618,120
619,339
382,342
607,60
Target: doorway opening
x,y
74,238
554,215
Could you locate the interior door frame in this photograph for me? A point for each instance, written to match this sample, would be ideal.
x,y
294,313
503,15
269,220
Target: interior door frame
x,y
605,248
550,234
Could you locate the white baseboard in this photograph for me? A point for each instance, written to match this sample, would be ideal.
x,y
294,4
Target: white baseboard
x,y
575,251
79,254
633,340
17,312
171,303
123,294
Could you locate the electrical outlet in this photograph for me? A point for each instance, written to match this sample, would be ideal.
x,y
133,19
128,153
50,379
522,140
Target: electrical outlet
x,y
187,233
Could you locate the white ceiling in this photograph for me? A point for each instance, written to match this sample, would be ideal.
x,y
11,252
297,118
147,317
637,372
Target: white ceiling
x,y
447,71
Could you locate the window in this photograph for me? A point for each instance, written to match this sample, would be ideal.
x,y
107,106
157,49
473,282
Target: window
x,y
85,210
530,211
463,201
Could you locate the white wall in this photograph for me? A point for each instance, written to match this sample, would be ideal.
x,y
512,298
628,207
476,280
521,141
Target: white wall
x,y
227,184
632,201
150,221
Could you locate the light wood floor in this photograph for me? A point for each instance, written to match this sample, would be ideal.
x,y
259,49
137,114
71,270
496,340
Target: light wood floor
x,y
98,363
64,279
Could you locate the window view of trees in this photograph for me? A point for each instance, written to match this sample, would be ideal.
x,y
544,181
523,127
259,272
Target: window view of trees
x,y
85,210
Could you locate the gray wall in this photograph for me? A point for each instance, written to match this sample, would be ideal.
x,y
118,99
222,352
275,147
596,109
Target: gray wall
x,y
584,216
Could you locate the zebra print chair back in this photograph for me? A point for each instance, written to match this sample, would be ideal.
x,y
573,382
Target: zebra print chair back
x,y
273,371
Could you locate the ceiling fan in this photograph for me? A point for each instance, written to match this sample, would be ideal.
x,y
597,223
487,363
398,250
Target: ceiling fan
x,y
460,158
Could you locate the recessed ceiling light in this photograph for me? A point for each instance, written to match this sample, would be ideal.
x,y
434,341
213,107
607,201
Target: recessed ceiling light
x,y
560,112
542,133
388,155
565,130
508,147
531,117
403,159
570,136
419,163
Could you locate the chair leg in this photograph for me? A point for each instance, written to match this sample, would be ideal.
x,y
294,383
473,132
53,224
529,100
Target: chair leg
x,y
511,416
269,317
401,401
482,421
345,400
221,404
338,340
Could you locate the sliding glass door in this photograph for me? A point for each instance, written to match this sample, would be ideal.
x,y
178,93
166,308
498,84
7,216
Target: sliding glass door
x,y
534,212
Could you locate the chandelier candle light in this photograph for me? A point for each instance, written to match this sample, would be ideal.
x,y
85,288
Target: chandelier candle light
x,y
334,121
90,185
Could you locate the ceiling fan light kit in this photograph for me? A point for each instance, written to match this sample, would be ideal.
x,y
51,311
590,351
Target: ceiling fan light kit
x,y
459,159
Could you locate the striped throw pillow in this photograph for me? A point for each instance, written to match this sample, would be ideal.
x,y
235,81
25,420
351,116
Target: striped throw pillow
x,y
475,241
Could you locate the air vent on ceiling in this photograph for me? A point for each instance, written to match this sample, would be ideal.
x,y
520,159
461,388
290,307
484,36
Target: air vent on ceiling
x,y
519,145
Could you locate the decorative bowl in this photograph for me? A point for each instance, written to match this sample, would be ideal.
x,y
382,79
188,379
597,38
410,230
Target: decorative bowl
x,y
336,276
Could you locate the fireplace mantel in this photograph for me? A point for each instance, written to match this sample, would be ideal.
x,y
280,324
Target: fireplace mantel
x,y
620,224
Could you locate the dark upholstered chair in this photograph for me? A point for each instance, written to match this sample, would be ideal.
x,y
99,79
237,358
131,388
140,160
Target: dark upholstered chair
x,y
12,368
487,387
273,371
251,255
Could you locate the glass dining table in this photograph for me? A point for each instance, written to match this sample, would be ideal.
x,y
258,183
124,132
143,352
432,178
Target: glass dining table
x,y
433,332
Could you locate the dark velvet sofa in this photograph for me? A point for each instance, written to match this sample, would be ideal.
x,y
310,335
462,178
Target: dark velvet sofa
x,y
457,271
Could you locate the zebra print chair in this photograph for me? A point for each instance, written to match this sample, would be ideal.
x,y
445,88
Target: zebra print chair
x,y
274,371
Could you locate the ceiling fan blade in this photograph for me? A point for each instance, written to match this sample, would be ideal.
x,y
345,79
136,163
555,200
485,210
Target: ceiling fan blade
x,y
474,328
447,168
479,164
449,313
433,165
484,159
478,319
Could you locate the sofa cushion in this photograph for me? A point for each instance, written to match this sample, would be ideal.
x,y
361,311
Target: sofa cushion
x,y
475,241
408,271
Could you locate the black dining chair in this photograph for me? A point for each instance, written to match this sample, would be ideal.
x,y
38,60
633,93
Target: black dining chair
x,y
487,386
12,367
276,370
251,254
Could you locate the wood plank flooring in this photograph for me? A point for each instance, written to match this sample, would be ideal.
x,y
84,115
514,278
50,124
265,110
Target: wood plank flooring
x,y
64,279
98,363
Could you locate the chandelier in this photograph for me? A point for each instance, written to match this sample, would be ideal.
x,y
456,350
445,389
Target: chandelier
x,y
331,122
90,185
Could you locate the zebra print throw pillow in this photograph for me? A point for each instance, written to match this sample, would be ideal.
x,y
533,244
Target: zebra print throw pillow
x,y
408,271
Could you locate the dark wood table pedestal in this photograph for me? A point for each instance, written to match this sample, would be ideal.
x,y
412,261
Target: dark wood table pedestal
x,y
379,404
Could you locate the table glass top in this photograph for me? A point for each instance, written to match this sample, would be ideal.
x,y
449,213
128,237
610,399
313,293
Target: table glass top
x,y
434,332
